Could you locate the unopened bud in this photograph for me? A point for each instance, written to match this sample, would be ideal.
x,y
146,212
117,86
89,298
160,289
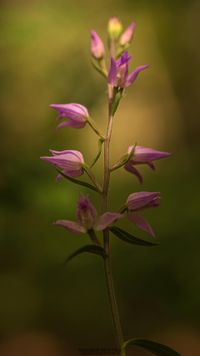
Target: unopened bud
x,y
127,35
97,46
114,28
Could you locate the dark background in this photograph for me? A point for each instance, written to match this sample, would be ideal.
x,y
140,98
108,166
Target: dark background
x,y
45,59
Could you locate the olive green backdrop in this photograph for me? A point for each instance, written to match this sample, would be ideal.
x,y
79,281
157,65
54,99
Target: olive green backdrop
x,y
45,59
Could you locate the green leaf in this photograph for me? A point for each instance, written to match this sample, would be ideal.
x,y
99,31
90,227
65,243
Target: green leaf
x,y
79,182
127,237
97,250
156,348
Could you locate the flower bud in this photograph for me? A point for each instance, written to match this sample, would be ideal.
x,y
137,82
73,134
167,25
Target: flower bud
x,y
127,35
142,200
86,213
143,155
114,28
76,114
97,46
69,161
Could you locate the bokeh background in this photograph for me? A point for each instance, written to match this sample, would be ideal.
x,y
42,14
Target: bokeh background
x,y
44,59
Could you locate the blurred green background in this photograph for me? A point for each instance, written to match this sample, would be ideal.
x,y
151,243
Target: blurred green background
x,y
45,59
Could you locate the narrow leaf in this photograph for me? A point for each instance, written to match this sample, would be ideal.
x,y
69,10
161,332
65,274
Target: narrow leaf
x,y
97,250
127,237
154,347
79,182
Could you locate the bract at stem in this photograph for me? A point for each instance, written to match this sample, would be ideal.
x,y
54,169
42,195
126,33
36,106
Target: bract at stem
x,y
100,144
92,177
124,159
93,236
91,122
79,182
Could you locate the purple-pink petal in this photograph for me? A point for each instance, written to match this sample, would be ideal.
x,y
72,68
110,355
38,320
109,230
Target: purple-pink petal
x,y
146,154
71,226
132,77
141,223
130,168
107,219
112,75
124,59
71,123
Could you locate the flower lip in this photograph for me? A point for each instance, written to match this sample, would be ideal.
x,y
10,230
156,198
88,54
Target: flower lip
x,y
86,213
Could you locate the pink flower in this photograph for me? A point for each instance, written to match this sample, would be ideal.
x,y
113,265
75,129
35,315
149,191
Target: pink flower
x,y
140,201
76,114
87,218
143,155
118,74
70,162
97,46
127,35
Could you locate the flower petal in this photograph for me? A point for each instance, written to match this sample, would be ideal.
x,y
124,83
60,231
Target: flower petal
x,y
141,223
112,75
107,219
130,168
72,123
132,77
71,226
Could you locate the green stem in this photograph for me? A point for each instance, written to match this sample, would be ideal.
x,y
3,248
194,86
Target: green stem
x,y
92,177
107,261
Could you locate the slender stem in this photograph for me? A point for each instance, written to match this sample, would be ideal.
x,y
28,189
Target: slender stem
x,y
107,261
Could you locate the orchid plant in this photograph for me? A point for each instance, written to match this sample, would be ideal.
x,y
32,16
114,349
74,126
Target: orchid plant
x,y
70,164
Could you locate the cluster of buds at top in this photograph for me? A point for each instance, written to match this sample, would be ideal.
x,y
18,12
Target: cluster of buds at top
x,y
71,163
